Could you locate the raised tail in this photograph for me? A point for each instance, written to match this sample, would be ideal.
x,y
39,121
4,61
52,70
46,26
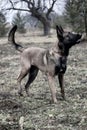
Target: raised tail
x,y
11,39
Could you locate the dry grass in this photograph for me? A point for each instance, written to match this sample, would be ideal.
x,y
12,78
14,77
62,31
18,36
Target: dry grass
x,y
37,111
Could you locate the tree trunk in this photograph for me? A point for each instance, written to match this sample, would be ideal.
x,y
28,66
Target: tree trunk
x,y
46,27
85,16
85,21
46,22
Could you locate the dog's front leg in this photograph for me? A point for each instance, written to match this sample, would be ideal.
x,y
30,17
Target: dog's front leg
x,y
52,87
61,78
20,90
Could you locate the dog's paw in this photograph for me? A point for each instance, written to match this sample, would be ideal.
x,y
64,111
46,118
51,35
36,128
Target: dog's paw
x,y
20,93
55,101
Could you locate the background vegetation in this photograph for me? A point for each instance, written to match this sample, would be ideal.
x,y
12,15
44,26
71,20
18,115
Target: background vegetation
x,y
3,25
76,14
19,20
42,14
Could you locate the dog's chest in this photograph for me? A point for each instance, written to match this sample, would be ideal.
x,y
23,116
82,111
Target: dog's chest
x,y
49,62
62,66
52,63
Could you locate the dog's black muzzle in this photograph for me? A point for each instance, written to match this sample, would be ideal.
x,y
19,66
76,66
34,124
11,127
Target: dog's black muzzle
x,y
78,39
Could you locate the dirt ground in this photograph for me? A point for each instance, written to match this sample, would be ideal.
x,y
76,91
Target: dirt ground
x,y
37,112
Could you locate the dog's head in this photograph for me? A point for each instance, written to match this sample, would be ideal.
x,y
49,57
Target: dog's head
x,y
67,39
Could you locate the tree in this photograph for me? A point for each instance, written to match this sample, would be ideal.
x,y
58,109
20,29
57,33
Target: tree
x,y
38,9
19,20
76,14
84,14
3,25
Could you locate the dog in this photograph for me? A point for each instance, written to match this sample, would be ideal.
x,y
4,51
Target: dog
x,y
53,61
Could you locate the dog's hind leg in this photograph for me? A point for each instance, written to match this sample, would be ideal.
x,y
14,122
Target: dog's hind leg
x,y
23,73
32,75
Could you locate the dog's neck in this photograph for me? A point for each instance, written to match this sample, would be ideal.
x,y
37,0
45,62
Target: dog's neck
x,y
62,51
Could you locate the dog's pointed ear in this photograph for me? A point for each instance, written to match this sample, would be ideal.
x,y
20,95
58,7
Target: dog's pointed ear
x,y
59,31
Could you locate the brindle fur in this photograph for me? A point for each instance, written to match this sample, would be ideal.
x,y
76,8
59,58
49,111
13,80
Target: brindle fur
x,y
51,61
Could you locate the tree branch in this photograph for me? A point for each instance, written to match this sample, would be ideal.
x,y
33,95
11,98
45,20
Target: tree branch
x,y
29,3
11,3
13,8
51,8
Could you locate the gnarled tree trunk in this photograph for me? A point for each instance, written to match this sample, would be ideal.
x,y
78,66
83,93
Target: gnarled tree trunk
x,y
38,10
47,27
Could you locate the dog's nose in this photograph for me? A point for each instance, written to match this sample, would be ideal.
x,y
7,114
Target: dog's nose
x,y
80,34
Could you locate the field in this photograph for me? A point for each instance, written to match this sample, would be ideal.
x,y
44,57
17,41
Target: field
x,y
37,112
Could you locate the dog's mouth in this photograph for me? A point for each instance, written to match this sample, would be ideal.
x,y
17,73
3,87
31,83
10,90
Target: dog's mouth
x,y
79,39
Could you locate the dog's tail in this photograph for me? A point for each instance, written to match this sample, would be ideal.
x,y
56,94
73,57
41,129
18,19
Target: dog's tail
x,y
11,39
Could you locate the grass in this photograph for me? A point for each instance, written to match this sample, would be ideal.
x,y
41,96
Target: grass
x,y
37,111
